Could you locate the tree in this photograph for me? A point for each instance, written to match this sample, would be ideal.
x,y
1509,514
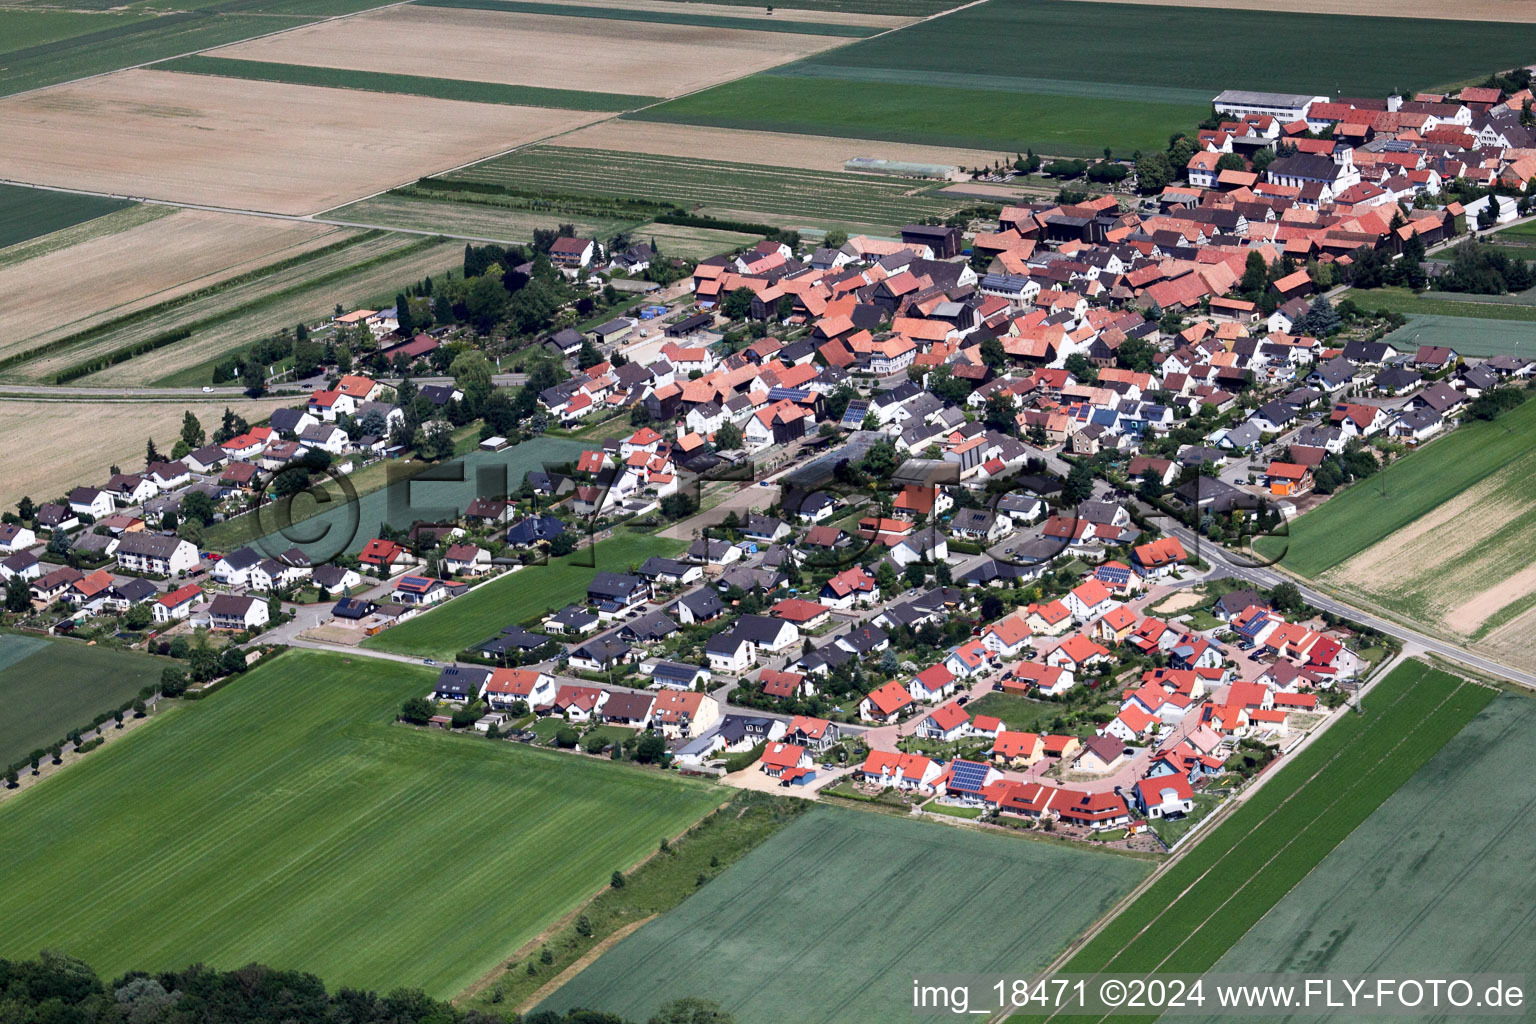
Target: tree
x,y
835,239
1287,597
1231,162
1080,368
679,505
691,1011
728,438
471,372
199,506
1255,280
589,355
254,377
738,304
486,302
403,314
617,879
173,682
1154,172
886,579
993,354
942,574
1001,412
151,453
18,596
138,617
1320,320
192,434
417,711
651,749
1079,484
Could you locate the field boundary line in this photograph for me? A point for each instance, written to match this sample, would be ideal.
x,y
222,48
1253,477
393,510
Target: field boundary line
x,y
581,963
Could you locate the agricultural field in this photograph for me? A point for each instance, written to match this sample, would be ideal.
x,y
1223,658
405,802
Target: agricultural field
x,y
784,196
938,81
326,840
47,454
50,686
639,58
1188,919
415,209
775,149
693,243
406,85
1408,892
152,262
847,26
1470,337
1471,308
522,597
885,16
1478,10
908,8
871,928
225,316
249,145
26,213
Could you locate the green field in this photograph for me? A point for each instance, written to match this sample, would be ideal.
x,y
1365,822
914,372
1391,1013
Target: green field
x,y
477,219
1470,337
684,18
285,819
1019,714
522,597
899,8
1085,87
1472,308
1003,120
24,28
1354,519
409,85
779,195
50,686
26,213
1413,891
829,920
1192,915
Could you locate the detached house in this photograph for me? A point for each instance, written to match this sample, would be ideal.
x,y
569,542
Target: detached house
x,y
152,553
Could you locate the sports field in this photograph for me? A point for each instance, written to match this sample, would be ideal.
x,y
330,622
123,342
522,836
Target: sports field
x,y
50,686
521,597
286,820
1415,891
28,212
719,188
830,919
959,79
1470,337
1188,919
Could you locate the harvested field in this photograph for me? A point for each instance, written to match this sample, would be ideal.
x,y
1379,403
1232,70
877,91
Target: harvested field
x,y
788,197
141,266
130,216
833,15
810,152
748,21
355,285
46,454
1477,10
1407,893
532,49
27,213
477,220
912,8
249,145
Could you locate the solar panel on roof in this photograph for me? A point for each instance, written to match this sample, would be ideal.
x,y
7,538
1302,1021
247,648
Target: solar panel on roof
x,y
968,776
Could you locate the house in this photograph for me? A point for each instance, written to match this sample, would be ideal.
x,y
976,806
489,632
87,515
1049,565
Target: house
x,y
648,628
968,659
787,761
1089,600
1008,637
1167,796
1051,619
885,703
698,606
333,580
677,677
177,604
88,501
1078,654
852,586
153,553
966,782
807,615
421,591
1287,479
946,723
601,654
535,529
629,709
466,560
23,564
460,685
573,619
932,684
1158,558
815,734
506,687
614,593
1132,725
1017,749
14,538
383,556
684,713
230,612
55,518
1031,676
573,253
1094,811
1100,754
910,772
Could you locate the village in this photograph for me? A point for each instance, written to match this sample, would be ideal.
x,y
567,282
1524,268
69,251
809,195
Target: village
x,y
937,501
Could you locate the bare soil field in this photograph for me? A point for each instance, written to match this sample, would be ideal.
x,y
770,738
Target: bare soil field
x,y
603,55
810,152
1476,10
250,145
47,452
730,11
120,220
144,265
1511,642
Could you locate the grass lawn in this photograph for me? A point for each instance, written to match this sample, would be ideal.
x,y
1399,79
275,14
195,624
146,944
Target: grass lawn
x,y
1409,890
1195,912
1019,714
29,212
286,819
851,874
519,597
409,85
950,811
50,686
1361,515
1172,831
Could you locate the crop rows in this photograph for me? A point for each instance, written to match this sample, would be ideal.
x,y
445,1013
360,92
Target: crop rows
x,y
716,186
681,17
26,213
